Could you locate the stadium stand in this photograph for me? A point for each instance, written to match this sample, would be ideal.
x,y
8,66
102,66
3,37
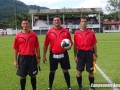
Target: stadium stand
x,y
42,19
40,23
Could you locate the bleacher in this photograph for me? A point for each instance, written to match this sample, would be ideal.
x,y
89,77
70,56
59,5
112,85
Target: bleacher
x,y
70,18
40,23
68,21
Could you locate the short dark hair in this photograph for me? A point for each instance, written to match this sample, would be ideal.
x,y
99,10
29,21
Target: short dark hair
x,y
83,17
25,19
56,17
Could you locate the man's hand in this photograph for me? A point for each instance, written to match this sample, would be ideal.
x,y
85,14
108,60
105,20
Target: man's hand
x,y
38,61
94,57
44,59
15,64
76,59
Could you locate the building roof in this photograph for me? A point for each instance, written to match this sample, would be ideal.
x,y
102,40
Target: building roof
x,y
110,22
65,11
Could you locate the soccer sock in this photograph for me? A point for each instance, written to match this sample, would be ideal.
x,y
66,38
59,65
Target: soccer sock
x,y
91,80
79,80
33,82
22,83
67,78
51,79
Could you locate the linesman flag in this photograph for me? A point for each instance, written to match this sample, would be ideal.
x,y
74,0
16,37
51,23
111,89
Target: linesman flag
x,y
94,63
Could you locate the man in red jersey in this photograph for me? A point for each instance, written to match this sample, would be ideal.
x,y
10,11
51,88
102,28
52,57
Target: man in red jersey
x,y
84,42
57,55
26,45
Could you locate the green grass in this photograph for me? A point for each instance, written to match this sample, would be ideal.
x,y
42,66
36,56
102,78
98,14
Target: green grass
x,y
108,60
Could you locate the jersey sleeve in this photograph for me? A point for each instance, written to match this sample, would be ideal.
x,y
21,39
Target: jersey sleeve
x,y
37,42
75,41
94,39
69,37
46,41
15,44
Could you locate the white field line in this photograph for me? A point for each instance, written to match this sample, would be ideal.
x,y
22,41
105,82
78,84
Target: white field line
x,y
108,41
7,46
106,77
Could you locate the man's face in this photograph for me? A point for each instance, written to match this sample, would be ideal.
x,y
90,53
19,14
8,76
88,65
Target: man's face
x,y
83,22
25,25
56,21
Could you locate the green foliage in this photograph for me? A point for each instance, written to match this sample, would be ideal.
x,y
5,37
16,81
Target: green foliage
x,y
7,11
113,6
36,7
110,16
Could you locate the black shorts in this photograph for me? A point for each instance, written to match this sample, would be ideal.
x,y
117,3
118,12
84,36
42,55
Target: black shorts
x,y
85,58
63,60
27,65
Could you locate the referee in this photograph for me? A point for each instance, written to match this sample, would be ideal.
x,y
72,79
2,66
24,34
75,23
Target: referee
x,y
57,55
84,42
26,46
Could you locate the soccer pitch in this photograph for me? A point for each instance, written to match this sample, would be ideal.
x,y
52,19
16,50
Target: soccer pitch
x,y
108,61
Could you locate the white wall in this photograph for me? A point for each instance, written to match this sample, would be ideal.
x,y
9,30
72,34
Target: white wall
x,y
9,31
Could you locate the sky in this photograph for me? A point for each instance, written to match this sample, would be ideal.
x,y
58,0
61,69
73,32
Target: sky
x,y
58,4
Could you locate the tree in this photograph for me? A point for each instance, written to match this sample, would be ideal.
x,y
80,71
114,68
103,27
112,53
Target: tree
x,y
7,11
103,16
21,16
19,19
113,6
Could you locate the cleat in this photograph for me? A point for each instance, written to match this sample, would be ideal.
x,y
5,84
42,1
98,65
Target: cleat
x,y
92,88
80,88
70,88
49,89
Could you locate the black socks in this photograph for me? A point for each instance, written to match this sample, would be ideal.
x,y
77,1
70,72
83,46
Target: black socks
x,y
79,80
51,79
67,78
22,83
33,82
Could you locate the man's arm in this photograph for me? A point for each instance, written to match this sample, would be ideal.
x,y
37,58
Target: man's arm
x,y
15,58
95,49
95,52
44,53
75,54
38,54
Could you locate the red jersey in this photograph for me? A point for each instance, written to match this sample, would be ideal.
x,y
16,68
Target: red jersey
x,y
54,38
84,40
25,44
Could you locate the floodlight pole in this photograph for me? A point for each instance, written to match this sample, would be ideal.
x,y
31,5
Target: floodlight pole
x,y
15,15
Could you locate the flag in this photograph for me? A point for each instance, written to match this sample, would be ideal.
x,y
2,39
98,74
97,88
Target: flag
x,y
94,63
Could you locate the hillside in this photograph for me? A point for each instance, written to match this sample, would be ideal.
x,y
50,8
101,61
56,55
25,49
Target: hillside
x,y
7,9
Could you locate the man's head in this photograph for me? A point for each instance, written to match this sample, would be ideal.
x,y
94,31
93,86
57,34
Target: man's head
x,y
83,22
25,24
56,21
